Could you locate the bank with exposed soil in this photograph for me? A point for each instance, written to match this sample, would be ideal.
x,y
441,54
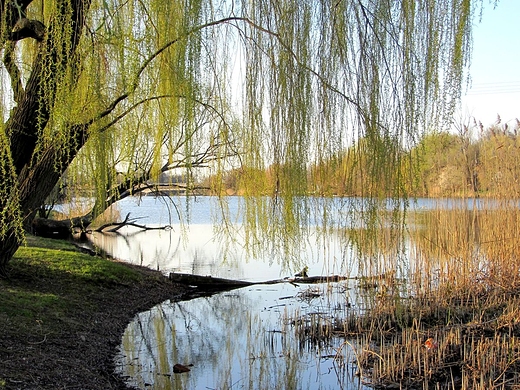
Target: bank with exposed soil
x,y
62,315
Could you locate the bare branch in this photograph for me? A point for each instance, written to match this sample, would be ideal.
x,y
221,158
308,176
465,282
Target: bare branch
x,y
28,28
128,222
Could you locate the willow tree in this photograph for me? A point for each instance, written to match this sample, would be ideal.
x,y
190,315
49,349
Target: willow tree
x,y
303,79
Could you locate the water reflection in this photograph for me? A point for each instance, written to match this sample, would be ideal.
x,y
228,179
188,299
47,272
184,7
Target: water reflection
x,y
237,340
245,340
216,245
204,253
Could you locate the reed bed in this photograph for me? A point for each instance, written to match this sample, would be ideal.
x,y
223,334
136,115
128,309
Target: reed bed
x,y
451,321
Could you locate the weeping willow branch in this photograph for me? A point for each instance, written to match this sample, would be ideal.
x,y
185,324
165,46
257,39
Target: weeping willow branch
x,y
136,184
382,46
137,77
314,77
302,65
109,110
32,114
14,73
123,114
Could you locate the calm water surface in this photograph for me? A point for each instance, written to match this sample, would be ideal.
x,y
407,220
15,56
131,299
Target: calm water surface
x,y
202,245
236,340
243,339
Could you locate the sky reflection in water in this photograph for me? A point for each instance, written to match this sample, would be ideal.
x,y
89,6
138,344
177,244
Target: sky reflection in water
x,y
235,340
240,339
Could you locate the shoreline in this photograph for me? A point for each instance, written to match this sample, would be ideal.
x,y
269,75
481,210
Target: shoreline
x,y
61,330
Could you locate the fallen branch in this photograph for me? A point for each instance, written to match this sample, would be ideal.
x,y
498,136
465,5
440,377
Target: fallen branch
x,y
60,229
207,281
128,222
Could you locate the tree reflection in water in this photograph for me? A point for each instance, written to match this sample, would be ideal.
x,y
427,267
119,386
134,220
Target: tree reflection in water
x,y
235,340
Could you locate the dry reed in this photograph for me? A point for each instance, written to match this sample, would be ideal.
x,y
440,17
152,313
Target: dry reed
x,y
455,322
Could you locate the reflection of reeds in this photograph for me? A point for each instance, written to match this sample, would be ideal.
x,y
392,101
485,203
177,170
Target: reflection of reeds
x,y
456,322
469,250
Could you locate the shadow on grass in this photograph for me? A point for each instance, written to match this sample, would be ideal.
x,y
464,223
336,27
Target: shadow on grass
x,y
62,314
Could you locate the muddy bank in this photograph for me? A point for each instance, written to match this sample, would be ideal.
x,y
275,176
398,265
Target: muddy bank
x,y
69,340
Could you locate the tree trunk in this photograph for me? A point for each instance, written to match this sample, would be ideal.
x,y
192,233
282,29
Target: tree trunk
x,y
61,229
8,246
37,175
35,184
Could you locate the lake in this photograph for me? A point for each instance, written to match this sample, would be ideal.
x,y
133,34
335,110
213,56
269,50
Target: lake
x,y
249,337
204,241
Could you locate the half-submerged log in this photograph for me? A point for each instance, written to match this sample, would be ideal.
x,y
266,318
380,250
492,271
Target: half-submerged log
x,y
320,279
210,282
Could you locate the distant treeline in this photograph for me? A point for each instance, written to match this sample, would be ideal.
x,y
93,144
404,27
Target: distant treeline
x,y
475,161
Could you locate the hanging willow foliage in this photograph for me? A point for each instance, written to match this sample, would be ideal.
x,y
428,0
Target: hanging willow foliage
x,y
130,90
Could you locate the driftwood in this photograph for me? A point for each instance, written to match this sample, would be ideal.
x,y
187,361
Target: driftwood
x,y
322,279
63,229
207,281
210,282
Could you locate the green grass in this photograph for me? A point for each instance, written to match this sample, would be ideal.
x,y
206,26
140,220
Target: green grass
x,y
50,278
55,256
62,305
20,302
49,243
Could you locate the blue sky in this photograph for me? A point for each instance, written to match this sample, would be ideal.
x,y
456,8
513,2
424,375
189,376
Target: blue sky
x,y
495,65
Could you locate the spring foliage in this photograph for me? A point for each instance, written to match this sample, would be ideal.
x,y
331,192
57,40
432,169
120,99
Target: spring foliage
x,y
121,89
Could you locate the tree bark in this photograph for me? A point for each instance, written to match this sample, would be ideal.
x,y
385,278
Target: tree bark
x,y
37,176
210,282
8,247
61,229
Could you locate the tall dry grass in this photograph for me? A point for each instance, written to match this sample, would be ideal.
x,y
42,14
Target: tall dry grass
x,y
464,284
447,319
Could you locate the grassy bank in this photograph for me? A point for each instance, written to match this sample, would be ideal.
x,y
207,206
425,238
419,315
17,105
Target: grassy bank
x,y
62,314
